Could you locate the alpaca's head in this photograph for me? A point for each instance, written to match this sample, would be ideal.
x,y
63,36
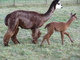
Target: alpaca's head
x,y
56,4
59,5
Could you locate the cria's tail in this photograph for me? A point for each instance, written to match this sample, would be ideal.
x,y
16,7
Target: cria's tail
x,y
47,26
6,19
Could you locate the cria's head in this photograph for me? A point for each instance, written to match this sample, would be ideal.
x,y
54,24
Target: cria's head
x,y
73,16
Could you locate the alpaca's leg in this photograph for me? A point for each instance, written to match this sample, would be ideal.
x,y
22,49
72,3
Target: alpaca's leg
x,y
62,37
50,32
68,36
14,38
39,34
44,38
48,40
47,36
35,35
12,26
7,36
42,41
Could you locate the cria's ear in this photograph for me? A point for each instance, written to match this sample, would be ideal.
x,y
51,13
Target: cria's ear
x,y
74,14
71,13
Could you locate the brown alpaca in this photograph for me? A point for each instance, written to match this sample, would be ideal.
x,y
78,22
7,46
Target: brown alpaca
x,y
60,27
26,20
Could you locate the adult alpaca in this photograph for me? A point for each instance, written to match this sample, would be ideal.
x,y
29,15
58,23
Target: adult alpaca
x,y
26,20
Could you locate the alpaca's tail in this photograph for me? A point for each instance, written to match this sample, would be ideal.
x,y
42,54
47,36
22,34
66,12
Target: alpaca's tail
x,y
47,26
6,19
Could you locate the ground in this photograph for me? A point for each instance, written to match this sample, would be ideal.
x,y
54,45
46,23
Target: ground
x,y
29,51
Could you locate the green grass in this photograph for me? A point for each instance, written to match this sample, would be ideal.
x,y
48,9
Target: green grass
x,y
56,51
34,2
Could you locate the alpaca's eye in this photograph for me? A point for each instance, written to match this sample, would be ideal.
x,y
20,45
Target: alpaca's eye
x,y
58,3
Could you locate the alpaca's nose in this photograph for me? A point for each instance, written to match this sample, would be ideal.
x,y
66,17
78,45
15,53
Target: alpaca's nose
x,y
61,6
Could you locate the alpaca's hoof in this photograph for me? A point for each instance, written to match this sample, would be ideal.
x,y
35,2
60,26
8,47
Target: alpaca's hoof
x,y
6,45
18,42
72,41
40,45
35,42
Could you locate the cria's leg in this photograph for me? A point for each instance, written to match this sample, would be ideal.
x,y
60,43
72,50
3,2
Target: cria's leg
x,y
35,35
68,36
48,40
7,36
47,36
42,41
14,38
62,37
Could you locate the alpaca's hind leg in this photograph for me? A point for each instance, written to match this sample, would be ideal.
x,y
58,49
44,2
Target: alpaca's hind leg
x,y
68,36
7,36
44,38
35,35
42,41
14,38
47,36
39,34
48,40
62,37
12,26
50,32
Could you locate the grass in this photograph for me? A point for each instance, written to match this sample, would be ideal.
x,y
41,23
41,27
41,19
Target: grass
x,y
28,51
34,2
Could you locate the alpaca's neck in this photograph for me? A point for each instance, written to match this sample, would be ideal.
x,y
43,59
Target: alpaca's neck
x,y
50,11
48,14
69,22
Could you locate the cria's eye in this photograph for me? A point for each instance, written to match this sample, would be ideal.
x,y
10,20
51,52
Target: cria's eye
x,y
75,16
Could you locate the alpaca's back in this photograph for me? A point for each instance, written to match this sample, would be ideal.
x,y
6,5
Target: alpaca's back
x,y
57,26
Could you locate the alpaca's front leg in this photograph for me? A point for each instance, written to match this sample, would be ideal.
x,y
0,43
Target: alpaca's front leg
x,y
35,35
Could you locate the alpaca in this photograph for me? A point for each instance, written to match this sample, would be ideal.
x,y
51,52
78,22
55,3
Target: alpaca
x,y
26,20
60,27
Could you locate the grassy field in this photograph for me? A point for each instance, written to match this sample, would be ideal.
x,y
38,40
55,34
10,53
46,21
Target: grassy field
x,y
56,51
34,2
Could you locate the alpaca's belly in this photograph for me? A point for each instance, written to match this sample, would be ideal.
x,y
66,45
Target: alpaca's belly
x,y
26,24
59,29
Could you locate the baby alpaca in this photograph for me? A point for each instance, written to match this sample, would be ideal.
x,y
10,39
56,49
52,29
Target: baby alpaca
x,y
60,27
